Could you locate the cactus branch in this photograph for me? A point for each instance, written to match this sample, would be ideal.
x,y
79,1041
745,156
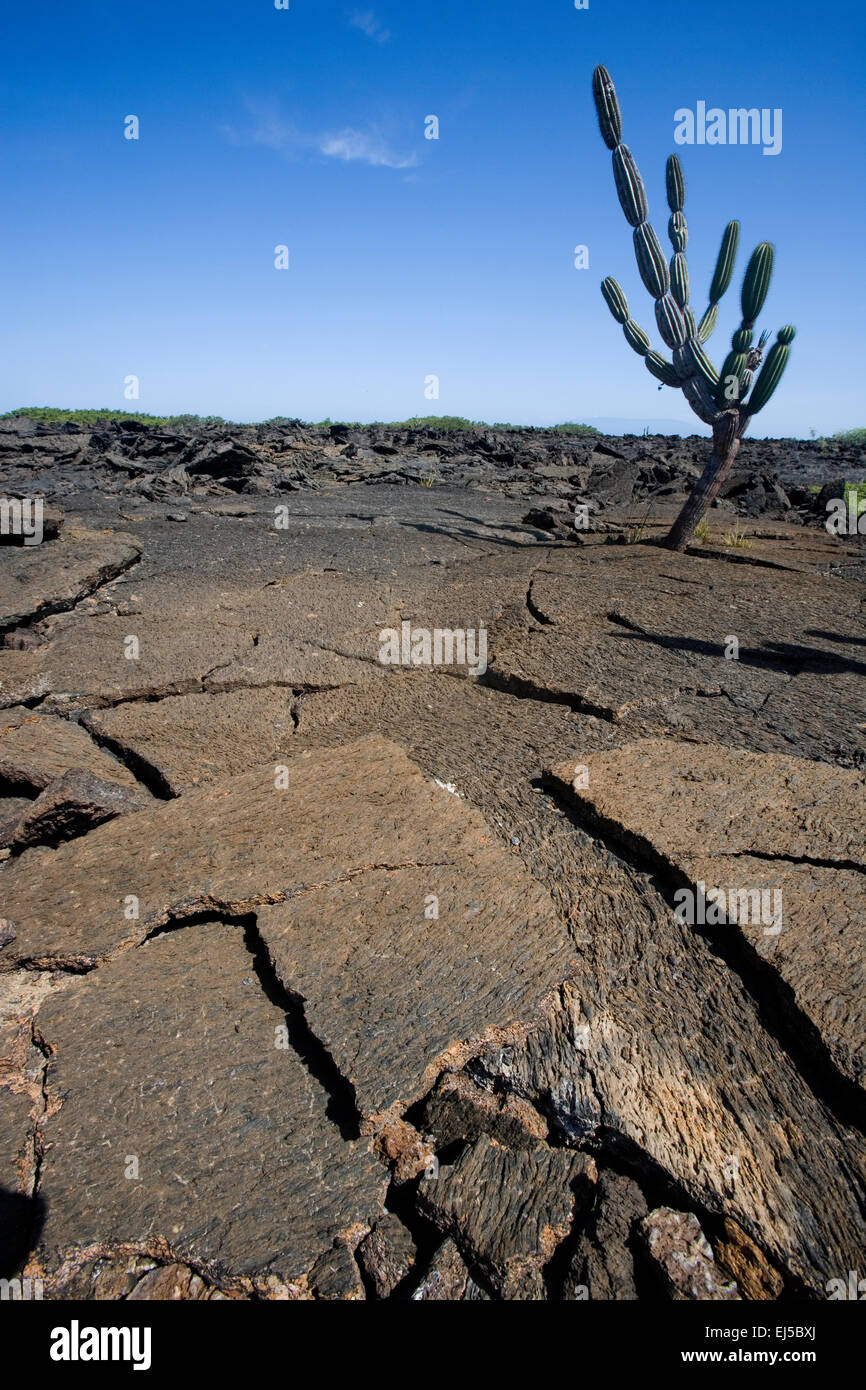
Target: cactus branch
x,y
717,398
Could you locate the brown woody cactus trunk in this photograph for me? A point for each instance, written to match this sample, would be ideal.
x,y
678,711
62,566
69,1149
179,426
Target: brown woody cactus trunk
x,y
726,442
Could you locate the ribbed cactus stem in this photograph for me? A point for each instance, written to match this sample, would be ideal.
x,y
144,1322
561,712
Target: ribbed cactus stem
x,y
707,325
679,279
756,283
678,231
675,184
607,107
722,275
635,337
771,373
715,397
729,389
615,299
629,186
661,369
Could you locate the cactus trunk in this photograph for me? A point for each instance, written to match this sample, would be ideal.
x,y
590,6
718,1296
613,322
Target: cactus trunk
x,y
726,444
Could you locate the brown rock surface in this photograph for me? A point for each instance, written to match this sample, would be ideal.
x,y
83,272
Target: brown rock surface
x,y
746,823
171,1079
746,1263
602,1265
509,1211
374,971
70,806
191,739
447,1280
387,1254
553,1010
36,748
41,579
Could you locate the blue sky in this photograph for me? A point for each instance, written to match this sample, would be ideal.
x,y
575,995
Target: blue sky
x,y
410,257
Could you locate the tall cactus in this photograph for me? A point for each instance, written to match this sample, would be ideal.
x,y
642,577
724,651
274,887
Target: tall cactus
x,y
721,399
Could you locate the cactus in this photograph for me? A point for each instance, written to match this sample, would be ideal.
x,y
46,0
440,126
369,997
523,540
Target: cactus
x,y
721,399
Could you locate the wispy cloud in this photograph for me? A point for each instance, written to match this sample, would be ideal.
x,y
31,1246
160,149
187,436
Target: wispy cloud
x,y
348,144
366,146
367,22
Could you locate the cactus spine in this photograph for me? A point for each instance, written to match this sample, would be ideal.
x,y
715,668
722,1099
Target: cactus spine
x,y
718,398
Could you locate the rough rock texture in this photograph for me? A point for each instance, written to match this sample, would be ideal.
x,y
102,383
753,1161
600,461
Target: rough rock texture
x,y
36,748
170,1077
484,965
746,1263
70,806
356,900
362,954
184,740
169,1283
42,579
682,1257
387,1255
447,1280
459,1109
602,1265
509,1211
748,825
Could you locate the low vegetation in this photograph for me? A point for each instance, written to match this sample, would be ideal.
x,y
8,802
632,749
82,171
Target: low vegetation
x,y
55,415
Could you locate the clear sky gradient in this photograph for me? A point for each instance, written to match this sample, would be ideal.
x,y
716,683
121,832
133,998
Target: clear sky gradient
x,y
411,257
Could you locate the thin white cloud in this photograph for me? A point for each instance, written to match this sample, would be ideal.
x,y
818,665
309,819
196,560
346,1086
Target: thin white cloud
x,y
349,144
365,147
367,22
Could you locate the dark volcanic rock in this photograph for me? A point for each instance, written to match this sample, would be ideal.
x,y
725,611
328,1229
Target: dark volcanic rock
x,y
358,943
36,749
70,806
387,1255
509,1212
602,1265
789,866
169,1075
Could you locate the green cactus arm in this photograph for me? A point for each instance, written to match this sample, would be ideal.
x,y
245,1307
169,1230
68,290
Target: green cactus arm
x,y
725,261
675,184
678,231
691,360
614,299
730,385
771,373
722,276
707,325
756,283
651,260
636,338
629,186
661,369
679,279
700,398
607,107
